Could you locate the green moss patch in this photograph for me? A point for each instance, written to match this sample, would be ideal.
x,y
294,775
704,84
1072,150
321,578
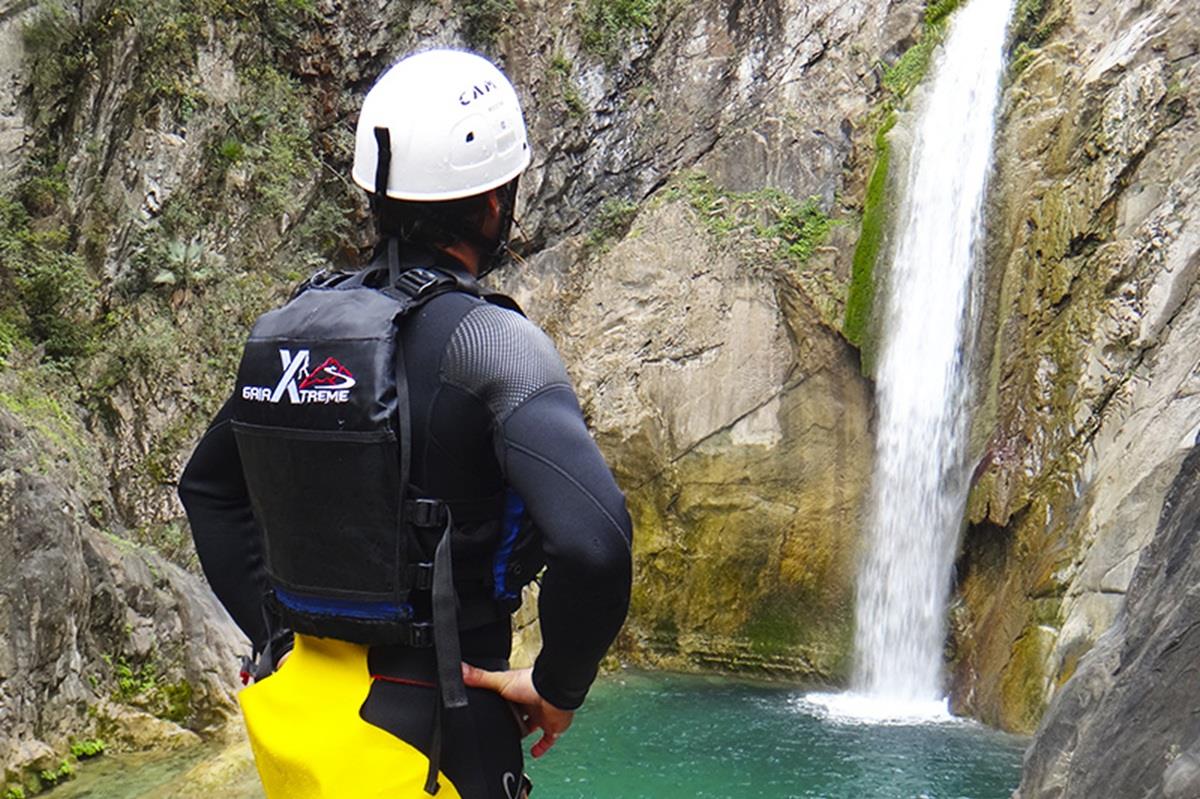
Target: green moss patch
x,y
860,302
613,221
913,65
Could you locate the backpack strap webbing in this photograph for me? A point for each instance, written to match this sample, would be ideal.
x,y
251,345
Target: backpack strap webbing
x,y
417,286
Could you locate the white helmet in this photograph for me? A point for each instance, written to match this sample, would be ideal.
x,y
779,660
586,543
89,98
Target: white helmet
x,y
454,124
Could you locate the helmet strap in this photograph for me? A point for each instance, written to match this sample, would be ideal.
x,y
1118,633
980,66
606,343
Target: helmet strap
x,y
383,166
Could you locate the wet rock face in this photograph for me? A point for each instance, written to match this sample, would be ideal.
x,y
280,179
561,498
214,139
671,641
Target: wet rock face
x,y
739,430
1089,397
711,370
99,638
1126,722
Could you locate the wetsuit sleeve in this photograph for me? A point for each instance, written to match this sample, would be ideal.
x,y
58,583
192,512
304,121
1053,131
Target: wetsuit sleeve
x,y
550,459
228,539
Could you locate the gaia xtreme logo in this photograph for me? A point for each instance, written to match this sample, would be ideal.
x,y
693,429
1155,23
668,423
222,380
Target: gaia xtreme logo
x,y
329,382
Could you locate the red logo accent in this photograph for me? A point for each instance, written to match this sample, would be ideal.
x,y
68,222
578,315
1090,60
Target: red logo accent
x,y
328,374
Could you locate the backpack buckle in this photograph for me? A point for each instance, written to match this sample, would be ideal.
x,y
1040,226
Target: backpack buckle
x,y
420,634
426,512
418,280
420,576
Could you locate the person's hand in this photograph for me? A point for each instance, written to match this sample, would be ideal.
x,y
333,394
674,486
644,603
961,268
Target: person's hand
x,y
517,687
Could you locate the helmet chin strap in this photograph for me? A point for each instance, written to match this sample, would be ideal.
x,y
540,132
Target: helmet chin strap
x,y
498,250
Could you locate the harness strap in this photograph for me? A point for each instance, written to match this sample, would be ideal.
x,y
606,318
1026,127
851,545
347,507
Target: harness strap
x,y
452,693
417,286
445,627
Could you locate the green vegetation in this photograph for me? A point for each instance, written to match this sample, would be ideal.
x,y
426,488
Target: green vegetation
x,y
861,297
155,44
268,121
613,220
1032,24
609,25
913,65
131,682
47,297
16,792
898,80
91,747
563,71
484,20
936,11
1033,21
145,686
52,777
910,68
172,540
790,227
32,399
216,235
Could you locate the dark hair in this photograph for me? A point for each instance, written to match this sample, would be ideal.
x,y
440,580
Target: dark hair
x,y
436,224
441,224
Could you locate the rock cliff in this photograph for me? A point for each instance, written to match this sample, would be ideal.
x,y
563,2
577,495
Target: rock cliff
x,y
1126,723
102,640
1089,394
169,170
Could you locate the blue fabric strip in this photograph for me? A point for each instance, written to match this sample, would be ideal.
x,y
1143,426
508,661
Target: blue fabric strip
x,y
346,608
514,510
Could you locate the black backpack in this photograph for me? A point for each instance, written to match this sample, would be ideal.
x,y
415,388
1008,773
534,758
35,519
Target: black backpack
x,y
323,429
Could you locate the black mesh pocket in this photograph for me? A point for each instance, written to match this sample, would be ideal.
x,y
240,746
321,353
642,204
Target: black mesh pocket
x,y
328,503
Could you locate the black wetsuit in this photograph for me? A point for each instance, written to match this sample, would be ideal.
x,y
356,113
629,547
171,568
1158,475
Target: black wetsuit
x,y
492,409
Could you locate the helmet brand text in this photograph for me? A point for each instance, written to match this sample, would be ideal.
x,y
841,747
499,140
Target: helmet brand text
x,y
475,92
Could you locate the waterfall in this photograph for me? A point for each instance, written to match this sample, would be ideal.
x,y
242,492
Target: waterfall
x,y
919,487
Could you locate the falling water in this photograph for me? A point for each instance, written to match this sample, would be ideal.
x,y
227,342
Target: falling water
x,y
919,487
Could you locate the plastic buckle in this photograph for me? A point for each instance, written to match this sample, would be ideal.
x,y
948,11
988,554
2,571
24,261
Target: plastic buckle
x,y
421,576
425,512
420,634
416,281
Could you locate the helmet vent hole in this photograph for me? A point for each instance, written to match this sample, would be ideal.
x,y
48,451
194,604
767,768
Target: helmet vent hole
x,y
470,137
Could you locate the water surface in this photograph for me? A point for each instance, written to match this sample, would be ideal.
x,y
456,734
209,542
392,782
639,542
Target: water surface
x,y
655,736
661,736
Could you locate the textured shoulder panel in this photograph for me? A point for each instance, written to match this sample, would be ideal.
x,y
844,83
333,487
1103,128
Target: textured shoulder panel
x,y
502,358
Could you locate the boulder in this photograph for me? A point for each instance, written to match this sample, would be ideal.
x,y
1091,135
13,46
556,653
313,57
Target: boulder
x,y
1126,723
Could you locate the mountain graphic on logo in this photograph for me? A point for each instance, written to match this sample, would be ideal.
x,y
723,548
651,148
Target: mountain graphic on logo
x,y
330,375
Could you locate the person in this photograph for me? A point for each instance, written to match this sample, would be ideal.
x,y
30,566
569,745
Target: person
x,y
405,392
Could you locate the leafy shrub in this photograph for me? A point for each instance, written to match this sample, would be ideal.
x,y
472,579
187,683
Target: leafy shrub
x,y
48,297
609,25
